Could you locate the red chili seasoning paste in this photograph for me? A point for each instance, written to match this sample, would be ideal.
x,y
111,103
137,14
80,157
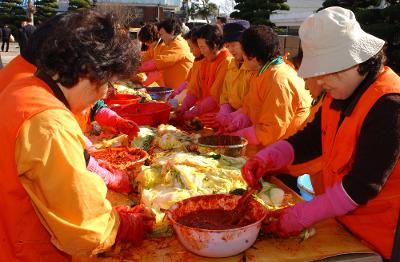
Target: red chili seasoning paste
x,y
212,219
119,157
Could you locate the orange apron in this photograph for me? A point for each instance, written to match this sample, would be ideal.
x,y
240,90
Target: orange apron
x,y
375,222
22,235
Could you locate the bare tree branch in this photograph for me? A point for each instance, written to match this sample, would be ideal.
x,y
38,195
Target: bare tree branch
x,y
126,14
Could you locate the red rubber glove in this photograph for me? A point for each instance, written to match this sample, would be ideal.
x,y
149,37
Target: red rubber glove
x,y
107,117
209,120
134,222
273,225
115,179
127,127
252,171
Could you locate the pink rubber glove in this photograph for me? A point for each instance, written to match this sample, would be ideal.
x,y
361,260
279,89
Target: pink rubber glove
x,y
249,133
271,158
209,120
291,221
207,105
134,223
107,117
224,112
152,77
239,121
148,66
179,90
115,180
88,144
188,102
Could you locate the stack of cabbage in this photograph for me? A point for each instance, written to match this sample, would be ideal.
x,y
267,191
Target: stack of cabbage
x,y
178,176
170,138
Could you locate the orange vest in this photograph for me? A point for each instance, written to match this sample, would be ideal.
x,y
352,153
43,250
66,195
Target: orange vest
x,y
22,235
208,72
17,68
376,221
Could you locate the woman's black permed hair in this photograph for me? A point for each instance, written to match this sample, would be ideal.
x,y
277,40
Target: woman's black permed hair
x,y
148,33
192,34
170,26
260,42
212,34
88,44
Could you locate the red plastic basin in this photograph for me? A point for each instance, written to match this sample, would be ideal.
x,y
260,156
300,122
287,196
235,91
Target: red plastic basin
x,y
123,99
152,113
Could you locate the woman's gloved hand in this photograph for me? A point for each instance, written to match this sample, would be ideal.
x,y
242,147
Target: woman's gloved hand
x,y
223,115
249,133
107,117
127,127
271,158
209,120
178,90
239,120
252,171
134,223
148,66
293,220
114,179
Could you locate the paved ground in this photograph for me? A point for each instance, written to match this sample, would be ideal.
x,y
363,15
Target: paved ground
x,y
13,51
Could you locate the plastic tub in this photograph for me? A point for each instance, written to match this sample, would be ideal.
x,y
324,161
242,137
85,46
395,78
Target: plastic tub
x,y
122,99
305,186
159,93
151,114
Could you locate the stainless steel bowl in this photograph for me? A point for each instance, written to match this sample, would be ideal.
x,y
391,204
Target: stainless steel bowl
x,y
225,145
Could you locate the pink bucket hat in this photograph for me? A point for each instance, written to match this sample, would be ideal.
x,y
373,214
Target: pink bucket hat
x,y
332,40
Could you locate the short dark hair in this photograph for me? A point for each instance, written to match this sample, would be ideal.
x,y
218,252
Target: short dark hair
x,y
260,42
192,34
36,40
374,64
148,33
212,34
88,44
171,25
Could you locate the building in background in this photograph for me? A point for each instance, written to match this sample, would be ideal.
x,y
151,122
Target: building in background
x,y
289,22
299,11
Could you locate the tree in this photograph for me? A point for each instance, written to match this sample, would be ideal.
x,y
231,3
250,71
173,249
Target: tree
x,y
207,10
45,9
79,4
258,11
381,22
12,14
126,14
